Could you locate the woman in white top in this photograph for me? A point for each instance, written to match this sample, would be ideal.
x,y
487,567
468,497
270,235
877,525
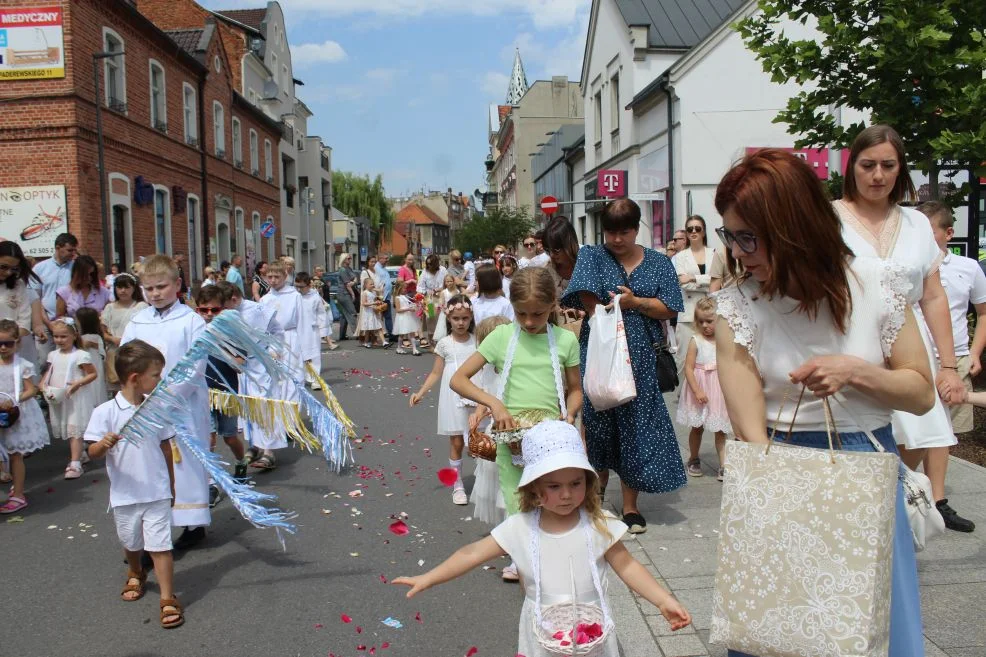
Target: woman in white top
x,y
806,312
692,266
430,284
873,224
18,302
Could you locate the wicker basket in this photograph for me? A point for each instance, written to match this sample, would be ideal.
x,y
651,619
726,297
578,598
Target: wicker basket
x,y
565,617
481,446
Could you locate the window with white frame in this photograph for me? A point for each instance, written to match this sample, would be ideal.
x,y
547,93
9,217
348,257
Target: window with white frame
x,y
287,80
219,128
162,220
598,118
270,243
159,97
268,161
237,142
614,103
191,114
114,72
235,235
252,96
254,153
273,66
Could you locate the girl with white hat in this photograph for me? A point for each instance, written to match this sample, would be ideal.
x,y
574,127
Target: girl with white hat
x,y
560,516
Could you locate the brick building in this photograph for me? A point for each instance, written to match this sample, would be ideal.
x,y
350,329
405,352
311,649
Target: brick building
x,y
168,103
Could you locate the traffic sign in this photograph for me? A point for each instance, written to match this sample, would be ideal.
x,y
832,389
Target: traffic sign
x,y
267,229
549,205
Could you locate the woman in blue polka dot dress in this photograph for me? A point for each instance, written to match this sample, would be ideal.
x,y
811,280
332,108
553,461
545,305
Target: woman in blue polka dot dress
x,y
637,439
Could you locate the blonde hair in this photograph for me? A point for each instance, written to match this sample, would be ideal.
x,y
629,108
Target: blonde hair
x,y
277,266
485,327
288,261
530,499
706,304
159,265
70,325
534,284
399,286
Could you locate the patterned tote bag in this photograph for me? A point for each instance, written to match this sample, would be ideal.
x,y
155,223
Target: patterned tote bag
x,y
805,550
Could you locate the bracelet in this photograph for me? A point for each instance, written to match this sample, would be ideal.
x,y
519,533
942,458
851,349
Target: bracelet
x,y
950,367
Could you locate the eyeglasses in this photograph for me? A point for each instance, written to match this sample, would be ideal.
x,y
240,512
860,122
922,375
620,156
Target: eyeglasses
x,y
747,241
8,344
694,229
530,245
678,239
205,310
498,252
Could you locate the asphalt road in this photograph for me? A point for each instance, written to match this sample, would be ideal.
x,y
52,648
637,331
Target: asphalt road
x,y
62,569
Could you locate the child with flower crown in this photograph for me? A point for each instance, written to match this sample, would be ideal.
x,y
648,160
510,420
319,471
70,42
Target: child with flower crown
x,y
561,539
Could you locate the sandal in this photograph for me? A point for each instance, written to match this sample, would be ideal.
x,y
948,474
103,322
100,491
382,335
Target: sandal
x,y
13,505
137,588
175,613
265,462
424,343
252,454
73,471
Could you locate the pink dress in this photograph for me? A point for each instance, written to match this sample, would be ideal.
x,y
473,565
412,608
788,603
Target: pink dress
x,y
711,415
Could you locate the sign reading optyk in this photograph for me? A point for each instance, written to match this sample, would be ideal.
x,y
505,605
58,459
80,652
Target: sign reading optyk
x,y
612,183
33,217
31,43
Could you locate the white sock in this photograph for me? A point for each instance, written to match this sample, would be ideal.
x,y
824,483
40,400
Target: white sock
x,y
77,464
455,464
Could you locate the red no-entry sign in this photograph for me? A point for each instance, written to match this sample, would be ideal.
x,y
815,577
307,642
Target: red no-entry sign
x,y
549,205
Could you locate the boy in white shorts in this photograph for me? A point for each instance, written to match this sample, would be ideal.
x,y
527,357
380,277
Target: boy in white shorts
x,y
141,477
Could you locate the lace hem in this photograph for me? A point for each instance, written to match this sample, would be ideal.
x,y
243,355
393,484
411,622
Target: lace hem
x,y
895,285
701,418
735,309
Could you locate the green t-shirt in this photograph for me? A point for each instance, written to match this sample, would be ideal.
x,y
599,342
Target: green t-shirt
x,y
532,378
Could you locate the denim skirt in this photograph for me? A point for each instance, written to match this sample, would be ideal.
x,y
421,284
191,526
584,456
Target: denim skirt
x,y
906,634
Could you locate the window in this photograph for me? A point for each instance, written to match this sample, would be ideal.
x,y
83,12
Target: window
x,y
287,80
114,72
270,243
234,235
290,245
254,154
253,244
268,162
159,98
191,114
162,220
598,103
194,234
273,66
614,104
219,129
237,143
252,96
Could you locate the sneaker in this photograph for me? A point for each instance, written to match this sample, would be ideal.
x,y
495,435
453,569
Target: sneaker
x,y
953,520
400,350
416,352
190,538
636,523
695,468
215,496
240,471
510,573
722,473
459,497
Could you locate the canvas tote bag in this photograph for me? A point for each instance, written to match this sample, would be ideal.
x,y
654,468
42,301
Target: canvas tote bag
x,y
805,550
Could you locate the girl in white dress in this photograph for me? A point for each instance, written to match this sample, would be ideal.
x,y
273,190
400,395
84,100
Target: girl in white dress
x,y
486,495
87,320
128,301
29,432
370,326
450,290
453,411
64,385
490,301
560,535
407,324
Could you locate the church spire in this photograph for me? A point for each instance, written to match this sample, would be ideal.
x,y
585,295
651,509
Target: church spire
x,y
518,81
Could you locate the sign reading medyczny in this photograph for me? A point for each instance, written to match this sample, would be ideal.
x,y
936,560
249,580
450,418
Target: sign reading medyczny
x,y
33,217
31,43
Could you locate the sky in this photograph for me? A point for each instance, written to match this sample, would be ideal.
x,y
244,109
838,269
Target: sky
x,y
402,87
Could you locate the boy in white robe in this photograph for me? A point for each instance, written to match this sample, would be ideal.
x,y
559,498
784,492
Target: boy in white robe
x,y
314,327
171,327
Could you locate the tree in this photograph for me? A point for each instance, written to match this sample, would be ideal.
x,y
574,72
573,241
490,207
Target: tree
x,y
499,225
356,196
916,65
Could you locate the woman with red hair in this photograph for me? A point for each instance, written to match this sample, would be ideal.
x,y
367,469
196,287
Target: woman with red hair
x,y
805,311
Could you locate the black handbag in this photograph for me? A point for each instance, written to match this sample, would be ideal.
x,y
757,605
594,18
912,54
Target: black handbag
x,y
667,368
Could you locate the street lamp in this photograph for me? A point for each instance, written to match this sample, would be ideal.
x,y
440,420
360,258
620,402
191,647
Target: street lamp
x,y
104,210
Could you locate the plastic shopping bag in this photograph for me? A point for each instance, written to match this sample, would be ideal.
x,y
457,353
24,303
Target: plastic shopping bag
x,y
608,380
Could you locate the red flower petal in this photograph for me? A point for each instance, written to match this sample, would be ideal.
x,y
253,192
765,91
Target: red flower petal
x,y
472,651
384,645
318,626
448,476
383,579
373,650
399,528
346,619
359,630
417,617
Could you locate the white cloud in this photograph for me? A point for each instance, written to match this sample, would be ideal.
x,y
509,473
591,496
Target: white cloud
x,y
323,53
494,84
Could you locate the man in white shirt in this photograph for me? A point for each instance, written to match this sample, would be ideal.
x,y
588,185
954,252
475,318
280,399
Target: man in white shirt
x,y
964,283
55,272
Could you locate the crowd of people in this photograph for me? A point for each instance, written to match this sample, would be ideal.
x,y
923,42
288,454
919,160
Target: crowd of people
x,y
857,301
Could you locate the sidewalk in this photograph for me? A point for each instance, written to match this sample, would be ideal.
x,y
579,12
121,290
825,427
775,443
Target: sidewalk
x,y
679,548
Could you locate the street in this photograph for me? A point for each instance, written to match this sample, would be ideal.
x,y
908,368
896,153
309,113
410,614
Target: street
x,y
243,595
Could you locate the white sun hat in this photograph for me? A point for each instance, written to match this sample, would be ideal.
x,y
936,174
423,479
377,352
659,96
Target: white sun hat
x,y
550,446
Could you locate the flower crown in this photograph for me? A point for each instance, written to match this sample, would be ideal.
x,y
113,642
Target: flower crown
x,y
459,306
68,321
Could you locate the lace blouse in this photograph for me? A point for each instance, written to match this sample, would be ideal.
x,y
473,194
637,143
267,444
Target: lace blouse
x,y
780,339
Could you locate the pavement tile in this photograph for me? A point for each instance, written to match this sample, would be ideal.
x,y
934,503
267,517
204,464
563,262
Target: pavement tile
x,y
953,615
685,583
686,645
660,627
699,604
686,558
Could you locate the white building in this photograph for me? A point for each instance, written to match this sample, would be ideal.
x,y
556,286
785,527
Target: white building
x,y
267,79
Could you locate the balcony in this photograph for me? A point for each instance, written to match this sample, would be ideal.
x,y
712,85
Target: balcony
x,y
270,179
161,126
191,141
238,164
116,105
221,153
256,172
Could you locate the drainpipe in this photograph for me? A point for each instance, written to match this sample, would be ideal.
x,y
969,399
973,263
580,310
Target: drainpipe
x,y
669,92
204,211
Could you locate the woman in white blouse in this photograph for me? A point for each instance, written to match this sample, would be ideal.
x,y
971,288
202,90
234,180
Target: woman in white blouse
x,y
807,312
692,266
18,302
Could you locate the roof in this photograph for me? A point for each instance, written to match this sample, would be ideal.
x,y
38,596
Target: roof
x,y
252,18
677,23
337,214
420,215
188,40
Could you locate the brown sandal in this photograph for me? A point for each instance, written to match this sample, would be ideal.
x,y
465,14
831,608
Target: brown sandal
x,y
171,603
137,588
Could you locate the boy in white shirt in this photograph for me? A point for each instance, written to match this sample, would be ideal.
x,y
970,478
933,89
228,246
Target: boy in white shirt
x,y
964,283
141,477
313,328
171,327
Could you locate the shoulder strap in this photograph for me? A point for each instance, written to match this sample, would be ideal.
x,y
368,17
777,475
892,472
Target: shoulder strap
x,y
555,366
